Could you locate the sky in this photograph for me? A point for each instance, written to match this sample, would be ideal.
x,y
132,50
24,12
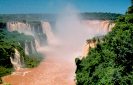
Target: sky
x,y
56,6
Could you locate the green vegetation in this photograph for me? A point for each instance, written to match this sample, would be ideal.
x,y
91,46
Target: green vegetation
x,y
23,17
33,60
1,81
110,62
9,41
6,83
53,17
99,16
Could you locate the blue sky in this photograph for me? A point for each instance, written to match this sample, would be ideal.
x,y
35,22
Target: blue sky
x,y
55,6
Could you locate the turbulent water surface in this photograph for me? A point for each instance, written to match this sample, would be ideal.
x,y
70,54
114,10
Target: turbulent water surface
x,y
52,71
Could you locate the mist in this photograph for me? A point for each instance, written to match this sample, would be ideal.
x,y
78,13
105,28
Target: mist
x,y
70,36
65,43
71,33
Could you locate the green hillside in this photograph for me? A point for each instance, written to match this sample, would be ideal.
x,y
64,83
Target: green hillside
x,y
110,62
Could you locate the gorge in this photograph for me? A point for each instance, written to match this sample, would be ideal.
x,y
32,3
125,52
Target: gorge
x,y
66,42
62,49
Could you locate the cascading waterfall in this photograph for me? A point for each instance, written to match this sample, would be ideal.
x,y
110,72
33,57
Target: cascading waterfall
x,y
32,48
47,29
36,42
26,49
19,43
111,26
22,61
101,26
16,61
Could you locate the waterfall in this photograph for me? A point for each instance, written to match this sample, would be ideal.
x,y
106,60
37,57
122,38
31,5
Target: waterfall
x,y
19,43
104,26
20,27
22,61
32,48
26,49
16,61
101,26
36,42
111,26
47,29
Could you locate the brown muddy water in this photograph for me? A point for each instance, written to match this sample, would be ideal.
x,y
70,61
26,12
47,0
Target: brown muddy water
x,y
56,69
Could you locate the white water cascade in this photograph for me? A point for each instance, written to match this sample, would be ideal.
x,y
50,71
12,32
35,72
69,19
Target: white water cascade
x,y
17,61
32,48
47,29
26,49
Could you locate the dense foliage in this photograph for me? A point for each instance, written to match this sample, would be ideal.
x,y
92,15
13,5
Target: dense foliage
x,y
23,17
110,62
33,60
9,41
99,16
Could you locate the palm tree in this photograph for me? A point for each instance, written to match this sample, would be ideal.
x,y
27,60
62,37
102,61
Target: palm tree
x,y
94,40
88,41
103,39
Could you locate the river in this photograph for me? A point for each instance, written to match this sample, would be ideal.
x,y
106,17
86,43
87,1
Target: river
x,y
56,69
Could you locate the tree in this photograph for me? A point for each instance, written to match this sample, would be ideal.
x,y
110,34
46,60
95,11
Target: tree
x,y
130,8
24,21
111,62
88,41
103,39
0,80
98,39
94,40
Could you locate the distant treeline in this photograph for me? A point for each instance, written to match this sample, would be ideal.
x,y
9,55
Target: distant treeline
x,y
99,16
53,17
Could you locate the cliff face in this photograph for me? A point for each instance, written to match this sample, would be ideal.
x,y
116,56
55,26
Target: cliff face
x,y
20,27
85,49
101,26
33,30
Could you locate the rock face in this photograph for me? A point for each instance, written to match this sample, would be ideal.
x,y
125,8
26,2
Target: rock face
x,y
22,28
101,26
27,29
85,49
17,61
